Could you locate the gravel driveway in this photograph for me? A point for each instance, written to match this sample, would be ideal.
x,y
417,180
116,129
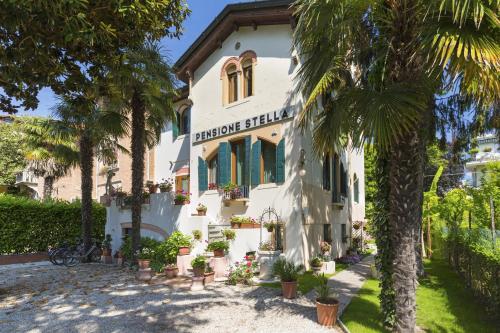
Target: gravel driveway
x,y
104,298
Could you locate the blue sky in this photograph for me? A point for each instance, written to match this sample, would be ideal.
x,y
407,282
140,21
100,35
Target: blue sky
x,y
202,13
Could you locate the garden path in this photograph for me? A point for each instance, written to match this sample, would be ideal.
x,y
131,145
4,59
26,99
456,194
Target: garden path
x,y
347,283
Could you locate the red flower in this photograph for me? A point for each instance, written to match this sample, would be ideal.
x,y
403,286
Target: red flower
x,y
248,271
246,257
249,263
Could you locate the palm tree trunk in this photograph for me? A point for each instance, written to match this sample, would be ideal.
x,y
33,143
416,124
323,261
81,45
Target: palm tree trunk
x,y
138,149
405,181
86,167
48,187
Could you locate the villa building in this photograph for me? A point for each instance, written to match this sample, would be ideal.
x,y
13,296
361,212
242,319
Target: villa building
x,y
237,125
488,151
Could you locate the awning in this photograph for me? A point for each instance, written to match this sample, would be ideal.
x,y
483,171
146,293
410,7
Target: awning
x,y
183,171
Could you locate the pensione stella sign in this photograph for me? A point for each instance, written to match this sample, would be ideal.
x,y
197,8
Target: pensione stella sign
x,y
243,125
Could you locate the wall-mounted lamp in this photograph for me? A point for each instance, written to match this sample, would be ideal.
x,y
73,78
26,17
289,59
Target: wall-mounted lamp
x,y
302,163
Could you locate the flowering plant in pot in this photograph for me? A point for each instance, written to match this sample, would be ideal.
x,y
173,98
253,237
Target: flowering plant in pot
x,y
218,248
242,272
198,265
269,226
171,270
327,304
177,244
288,273
151,186
144,257
197,234
201,209
229,234
165,185
213,186
181,198
316,264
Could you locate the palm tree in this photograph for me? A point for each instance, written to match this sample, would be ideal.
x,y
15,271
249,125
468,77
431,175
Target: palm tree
x,y
146,81
47,156
377,64
96,130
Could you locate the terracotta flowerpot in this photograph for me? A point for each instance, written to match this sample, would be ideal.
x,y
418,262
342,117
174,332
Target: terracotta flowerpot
x,y
235,225
202,213
327,312
289,289
171,272
143,263
198,272
181,202
209,278
184,250
219,253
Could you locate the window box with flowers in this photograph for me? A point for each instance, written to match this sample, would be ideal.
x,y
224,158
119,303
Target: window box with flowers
x,y
181,198
234,193
213,186
243,222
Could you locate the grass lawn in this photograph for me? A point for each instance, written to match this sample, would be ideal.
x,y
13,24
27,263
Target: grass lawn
x,y
307,281
443,305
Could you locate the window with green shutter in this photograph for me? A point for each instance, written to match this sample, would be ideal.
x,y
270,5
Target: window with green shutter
x,y
212,171
280,161
256,151
268,162
224,163
326,172
202,175
175,127
356,188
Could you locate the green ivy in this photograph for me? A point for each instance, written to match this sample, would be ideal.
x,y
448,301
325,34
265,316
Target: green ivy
x,y
382,234
32,226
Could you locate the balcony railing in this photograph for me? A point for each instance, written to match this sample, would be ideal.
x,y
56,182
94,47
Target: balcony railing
x,y
25,177
338,199
237,194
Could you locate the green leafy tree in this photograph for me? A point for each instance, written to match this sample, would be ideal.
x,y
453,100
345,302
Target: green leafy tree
x,y
60,44
430,209
146,83
11,153
377,65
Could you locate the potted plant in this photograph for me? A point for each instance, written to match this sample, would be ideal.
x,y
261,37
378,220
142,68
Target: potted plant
x,y
209,275
201,209
181,242
106,246
213,186
198,265
235,221
327,304
171,270
325,248
197,234
229,234
151,186
248,223
218,248
288,273
146,197
269,226
165,185
316,264
120,196
181,198
144,257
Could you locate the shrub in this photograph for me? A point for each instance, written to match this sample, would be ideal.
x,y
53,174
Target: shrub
x,y
218,245
229,234
171,248
32,226
286,271
158,259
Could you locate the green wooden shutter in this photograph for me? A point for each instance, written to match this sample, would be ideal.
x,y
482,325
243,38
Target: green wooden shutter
x,y
280,162
256,151
334,178
248,147
175,126
202,175
224,163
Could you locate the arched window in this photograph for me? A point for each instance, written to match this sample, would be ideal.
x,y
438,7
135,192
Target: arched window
x,y
232,83
247,66
184,121
356,188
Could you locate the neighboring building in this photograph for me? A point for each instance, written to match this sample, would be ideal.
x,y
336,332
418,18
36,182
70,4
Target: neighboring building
x,y
488,151
237,125
69,187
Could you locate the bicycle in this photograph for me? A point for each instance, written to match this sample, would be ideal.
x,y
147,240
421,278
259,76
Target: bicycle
x,y
57,254
73,257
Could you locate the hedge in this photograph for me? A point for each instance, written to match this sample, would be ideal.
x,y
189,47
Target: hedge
x,y
28,226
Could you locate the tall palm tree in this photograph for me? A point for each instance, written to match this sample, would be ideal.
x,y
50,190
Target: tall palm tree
x,y
96,130
48,157
378,63
146,81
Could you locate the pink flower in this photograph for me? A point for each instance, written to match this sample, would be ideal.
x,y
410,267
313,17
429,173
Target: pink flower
x,y
246,257
249,263
237,263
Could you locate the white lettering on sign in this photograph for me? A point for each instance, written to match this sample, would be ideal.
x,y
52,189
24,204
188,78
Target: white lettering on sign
x,y
242,125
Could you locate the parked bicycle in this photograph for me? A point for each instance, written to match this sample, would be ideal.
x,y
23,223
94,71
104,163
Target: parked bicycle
x,y
77,254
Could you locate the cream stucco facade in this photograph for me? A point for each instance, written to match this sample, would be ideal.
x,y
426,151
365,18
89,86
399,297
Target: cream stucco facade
x,y
304,204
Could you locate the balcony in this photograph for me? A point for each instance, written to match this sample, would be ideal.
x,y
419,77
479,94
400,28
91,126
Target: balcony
x,y
26,178
338,200
236,194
